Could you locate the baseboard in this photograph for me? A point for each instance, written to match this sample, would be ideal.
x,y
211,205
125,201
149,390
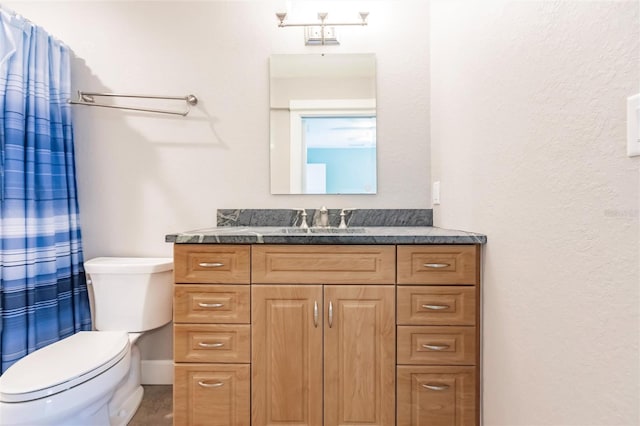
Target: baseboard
x,y
157,372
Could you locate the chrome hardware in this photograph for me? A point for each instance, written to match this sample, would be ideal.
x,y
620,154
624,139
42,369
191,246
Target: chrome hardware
x,y
436,347
210,264
88,98
343,213
330,314
210,345
436,265
303,215
315,314
211,305
325,29
435,387
435,307
210,385
321,218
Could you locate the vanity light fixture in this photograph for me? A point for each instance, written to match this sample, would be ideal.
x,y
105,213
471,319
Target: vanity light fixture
x,y
322,34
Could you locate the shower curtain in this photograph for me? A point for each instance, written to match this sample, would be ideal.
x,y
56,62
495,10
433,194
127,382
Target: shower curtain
x,y
43,292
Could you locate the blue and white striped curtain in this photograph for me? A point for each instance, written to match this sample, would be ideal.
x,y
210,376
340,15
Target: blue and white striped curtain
x,y
43,292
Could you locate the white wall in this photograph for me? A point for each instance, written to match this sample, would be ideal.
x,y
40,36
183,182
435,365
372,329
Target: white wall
x,y
141,176
528,141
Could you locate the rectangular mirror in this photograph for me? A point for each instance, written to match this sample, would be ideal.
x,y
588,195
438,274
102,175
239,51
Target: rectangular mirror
x,y
323,124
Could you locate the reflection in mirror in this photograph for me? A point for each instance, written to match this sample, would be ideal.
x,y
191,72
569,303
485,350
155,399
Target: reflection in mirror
x,y
323,124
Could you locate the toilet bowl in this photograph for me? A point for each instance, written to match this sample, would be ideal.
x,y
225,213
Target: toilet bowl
x,y
93,377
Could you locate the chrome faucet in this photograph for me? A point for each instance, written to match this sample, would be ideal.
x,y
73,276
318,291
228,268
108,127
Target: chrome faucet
x,y
321,218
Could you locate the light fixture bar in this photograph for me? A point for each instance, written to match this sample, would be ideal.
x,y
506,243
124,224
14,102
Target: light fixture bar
x,y
322,16
327,32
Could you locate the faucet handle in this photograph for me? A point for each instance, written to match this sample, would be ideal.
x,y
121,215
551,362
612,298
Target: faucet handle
x,y
343,213
303,215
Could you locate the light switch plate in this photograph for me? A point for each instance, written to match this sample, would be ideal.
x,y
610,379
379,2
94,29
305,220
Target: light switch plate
x,y
313,35
435,195
633,125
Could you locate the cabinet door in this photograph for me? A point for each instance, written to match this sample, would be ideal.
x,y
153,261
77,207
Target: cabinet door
x,y
436,396
211,394
359,355
287,355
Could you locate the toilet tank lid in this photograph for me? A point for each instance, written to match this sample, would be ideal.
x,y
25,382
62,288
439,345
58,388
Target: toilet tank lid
x,y
128,265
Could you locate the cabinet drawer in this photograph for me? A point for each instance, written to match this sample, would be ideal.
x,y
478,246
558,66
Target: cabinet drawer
x,y
203,263
437,305
211,343
204,303
317,264
213,394
436,345
454,264
437,396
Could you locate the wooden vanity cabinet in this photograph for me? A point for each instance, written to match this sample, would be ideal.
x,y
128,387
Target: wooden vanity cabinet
x,y
326,335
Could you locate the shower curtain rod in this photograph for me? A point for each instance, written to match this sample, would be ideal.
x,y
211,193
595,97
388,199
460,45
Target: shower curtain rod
x,y
87,98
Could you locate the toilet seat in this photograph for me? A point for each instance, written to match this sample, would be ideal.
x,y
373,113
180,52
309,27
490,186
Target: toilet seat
x,y
63,365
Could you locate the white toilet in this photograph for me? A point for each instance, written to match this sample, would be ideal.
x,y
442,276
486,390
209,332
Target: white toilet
x,y
93,377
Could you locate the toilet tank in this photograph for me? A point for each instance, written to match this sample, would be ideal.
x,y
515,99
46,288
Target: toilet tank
x,y
130,293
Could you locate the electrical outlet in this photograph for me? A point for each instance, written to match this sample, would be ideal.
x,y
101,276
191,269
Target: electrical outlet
x,y
633,125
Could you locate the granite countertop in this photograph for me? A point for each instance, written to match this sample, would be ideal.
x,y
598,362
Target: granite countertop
x,y
365,226
355,235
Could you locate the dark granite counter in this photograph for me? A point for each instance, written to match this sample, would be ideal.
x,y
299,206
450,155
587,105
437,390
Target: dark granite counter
x,y
365,226
355,235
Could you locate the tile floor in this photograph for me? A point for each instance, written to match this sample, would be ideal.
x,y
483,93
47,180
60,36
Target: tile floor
x,y
156,408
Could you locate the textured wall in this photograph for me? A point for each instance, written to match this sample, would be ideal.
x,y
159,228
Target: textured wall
x,y
142,176
528,141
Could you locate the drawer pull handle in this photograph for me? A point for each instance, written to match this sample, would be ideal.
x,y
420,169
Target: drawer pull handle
x,y
436,265
435,307
435,347
210,305
210,345
315,314
209,384
435,387
210,264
